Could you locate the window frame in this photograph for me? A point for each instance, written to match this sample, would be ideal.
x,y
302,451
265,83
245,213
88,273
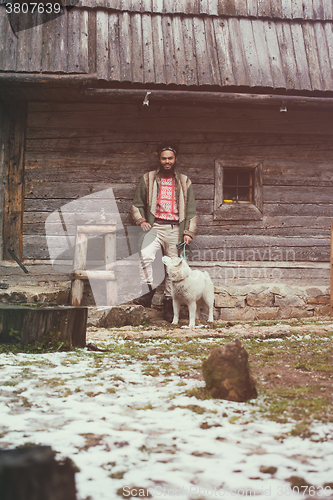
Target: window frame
x,y
239,211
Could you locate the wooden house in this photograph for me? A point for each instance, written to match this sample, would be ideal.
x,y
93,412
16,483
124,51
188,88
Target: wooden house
x,y
245,87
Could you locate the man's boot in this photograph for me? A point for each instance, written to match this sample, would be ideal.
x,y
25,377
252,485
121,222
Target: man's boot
x,y
168,309
145,300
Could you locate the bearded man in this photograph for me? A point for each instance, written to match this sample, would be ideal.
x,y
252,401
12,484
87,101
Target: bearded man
x,y
163,202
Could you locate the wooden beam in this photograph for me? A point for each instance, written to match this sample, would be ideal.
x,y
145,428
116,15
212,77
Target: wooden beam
x,y
47,78
4,155
210,97
14,182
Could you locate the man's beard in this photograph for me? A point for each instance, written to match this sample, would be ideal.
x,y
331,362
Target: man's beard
x,y
168,172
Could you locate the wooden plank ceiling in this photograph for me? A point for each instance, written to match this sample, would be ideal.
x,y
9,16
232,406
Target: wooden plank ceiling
x,y
212,47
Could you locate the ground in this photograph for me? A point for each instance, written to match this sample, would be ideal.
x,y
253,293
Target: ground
x,y
136,421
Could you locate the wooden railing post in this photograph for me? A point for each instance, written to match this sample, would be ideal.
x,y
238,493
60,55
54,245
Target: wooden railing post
x,y
331,270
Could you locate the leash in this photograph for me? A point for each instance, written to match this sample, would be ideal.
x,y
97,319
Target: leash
x,y
182,246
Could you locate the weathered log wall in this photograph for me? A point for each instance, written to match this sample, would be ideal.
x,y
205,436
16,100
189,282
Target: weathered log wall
x,y
74,149
3,162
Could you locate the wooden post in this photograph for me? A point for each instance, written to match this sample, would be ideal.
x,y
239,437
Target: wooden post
x,y
14,182
331,268
80,257
110,261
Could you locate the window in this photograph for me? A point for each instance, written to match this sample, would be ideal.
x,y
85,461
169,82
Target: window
x,y
238,189
237,185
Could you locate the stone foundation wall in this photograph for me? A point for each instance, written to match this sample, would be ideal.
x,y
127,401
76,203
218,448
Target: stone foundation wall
x,y
270,302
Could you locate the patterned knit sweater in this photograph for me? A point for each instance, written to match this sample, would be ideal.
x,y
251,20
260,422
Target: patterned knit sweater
x,y
145,201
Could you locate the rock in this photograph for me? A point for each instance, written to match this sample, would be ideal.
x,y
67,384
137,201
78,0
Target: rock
x,y
260,299
298,482
268,470
320,300
295,312
267,313
314,292
96,313
229,301
226,373
289,301
238,314
123,315
322,310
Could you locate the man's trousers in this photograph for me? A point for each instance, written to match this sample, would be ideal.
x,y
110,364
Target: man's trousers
x,y
161,236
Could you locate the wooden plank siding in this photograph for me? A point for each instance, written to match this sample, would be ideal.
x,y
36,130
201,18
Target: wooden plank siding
x,y
275,9
75,149
136,46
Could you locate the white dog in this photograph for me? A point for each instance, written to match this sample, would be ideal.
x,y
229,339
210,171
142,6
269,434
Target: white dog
x,y
193,288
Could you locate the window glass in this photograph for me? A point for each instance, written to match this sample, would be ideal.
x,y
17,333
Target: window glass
x,y
237,185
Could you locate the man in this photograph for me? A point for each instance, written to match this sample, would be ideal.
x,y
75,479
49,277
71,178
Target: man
x,y
164,204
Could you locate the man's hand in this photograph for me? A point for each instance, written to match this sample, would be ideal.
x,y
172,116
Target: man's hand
x,y
187,239
145,226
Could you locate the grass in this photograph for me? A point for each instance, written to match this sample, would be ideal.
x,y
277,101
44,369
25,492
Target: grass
x,y
283,403
11,342
279,400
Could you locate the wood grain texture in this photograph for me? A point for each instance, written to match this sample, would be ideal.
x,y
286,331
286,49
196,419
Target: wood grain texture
x,y
274,55
262,54
135,40
203,66
275,9
4,159
74,149
312,56
159,58
225,56
148,50
179,45
14,183
169,50
286,9
190,54
9,43
125,51
297,9
238,56
264,8
102,36
288,59
212,54
323,56
300,55
112,44
250,52
196,48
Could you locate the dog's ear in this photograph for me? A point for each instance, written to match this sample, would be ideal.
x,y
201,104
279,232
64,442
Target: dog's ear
x,y
166,260
180,260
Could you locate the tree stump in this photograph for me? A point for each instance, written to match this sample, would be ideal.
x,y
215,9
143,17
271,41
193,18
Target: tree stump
x,y
32,473
33,323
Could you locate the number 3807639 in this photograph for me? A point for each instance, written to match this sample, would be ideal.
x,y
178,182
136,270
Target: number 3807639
x,y
31,7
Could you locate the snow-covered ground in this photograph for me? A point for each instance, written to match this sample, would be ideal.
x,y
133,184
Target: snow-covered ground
x,y
124,429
